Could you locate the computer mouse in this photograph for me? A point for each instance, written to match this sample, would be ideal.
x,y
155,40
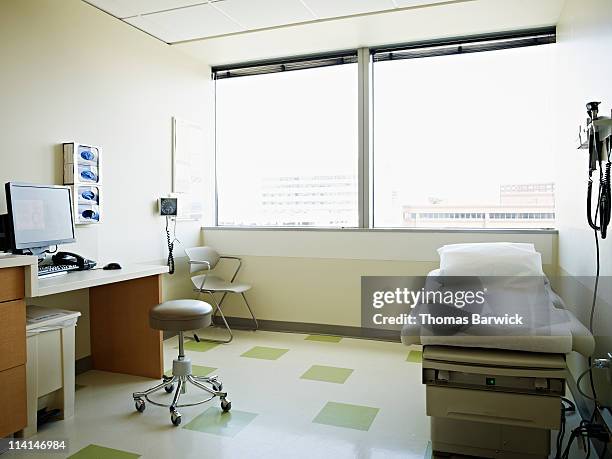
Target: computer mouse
x,y
112,266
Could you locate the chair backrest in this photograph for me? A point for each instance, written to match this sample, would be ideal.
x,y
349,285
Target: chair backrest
x,y
200,256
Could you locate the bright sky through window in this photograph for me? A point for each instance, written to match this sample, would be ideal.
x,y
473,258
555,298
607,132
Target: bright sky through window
x,y
287,148
469,135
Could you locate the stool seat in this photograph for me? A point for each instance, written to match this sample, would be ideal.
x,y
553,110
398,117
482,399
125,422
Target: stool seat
x,y
180,315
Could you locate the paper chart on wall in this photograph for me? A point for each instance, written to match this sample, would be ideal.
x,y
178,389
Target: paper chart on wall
x,y
188,168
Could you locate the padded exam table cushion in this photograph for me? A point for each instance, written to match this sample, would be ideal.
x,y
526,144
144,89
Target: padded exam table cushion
x,y
566,334
560,339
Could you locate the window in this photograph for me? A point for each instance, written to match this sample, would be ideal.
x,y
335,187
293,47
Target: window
x,y
287,144
456,129
454,133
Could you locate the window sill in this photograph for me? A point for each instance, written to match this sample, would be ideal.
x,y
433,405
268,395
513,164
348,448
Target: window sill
x,y
388,230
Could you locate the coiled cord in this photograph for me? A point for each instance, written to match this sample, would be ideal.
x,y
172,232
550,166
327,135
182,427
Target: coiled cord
x,y
588,428
170,248
605,202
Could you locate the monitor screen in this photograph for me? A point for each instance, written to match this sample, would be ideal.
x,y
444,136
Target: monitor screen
x,y
40,215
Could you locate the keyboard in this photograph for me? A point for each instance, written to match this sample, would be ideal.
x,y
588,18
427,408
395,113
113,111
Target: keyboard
x,y
49,270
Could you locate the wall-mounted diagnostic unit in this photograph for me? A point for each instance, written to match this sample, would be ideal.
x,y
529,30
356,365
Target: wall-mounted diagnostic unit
x,y
168,207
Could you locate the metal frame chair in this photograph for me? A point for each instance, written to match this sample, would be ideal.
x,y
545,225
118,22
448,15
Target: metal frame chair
x,y
206,259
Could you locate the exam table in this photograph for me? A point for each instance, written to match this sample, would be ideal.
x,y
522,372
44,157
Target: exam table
x,y
498,396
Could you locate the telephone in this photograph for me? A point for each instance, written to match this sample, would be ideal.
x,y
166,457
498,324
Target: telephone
x,y
69,258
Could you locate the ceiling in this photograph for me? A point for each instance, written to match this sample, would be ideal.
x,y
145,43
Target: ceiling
x,y
176,21
229,31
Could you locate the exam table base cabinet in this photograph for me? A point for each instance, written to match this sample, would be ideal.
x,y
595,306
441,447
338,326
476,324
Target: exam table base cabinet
x,y
488,440
12,351
492,404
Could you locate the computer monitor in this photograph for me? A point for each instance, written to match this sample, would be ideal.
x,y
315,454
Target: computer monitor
x,y
38,216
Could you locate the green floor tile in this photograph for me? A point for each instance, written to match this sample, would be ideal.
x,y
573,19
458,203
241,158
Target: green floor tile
x,y
196,370
101,452
266,353
215,421
415,357
324,338
327,374
202,346
344,415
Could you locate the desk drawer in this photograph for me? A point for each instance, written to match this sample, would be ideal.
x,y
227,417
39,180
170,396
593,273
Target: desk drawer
x,y
13,400
12,284
13,336
523,410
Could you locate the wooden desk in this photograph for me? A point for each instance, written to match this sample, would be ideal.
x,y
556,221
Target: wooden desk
x,y
121,339
119,304
13,395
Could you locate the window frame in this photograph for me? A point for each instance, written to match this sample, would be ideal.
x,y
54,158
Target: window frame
x,y
365,59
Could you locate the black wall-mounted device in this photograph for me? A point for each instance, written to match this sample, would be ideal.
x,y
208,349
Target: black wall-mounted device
x,y
168,207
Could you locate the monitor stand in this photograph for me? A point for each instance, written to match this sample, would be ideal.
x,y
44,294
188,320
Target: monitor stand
x,y
37,251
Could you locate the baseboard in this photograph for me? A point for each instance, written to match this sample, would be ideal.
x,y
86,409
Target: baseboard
x,y
169,334
82,365
241,323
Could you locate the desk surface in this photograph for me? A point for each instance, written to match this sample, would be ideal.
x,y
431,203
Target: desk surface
x,y
77,280
12,261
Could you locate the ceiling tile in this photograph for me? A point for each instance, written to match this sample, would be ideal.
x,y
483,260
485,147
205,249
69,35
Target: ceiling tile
x,y
405,3
186,23
335,8
127,8
265,13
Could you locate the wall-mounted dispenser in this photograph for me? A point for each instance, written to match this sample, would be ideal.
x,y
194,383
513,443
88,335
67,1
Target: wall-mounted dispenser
x,y
82,171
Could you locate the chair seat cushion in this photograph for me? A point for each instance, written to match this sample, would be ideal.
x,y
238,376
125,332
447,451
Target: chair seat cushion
x,y
216,284
180,315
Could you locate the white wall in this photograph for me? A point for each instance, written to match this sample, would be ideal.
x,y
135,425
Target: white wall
x,y
71,72
315,276
584,71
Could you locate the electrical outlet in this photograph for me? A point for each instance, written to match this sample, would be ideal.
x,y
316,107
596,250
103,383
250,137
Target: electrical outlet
x,y
605,363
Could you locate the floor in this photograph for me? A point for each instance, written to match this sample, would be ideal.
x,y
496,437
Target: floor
x,y
293,396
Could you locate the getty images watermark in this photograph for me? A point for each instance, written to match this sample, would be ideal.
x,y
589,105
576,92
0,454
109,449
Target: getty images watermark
x,y
458,299
449,305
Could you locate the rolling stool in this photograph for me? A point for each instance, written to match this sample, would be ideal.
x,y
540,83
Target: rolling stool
x,y
181,316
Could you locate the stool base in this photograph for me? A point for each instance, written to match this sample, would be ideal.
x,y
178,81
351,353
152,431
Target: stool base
x,y
181,375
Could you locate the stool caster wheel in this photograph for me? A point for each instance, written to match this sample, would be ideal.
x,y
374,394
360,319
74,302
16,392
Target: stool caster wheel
x,y
217,386
226,405
169,388
175,417
140,405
